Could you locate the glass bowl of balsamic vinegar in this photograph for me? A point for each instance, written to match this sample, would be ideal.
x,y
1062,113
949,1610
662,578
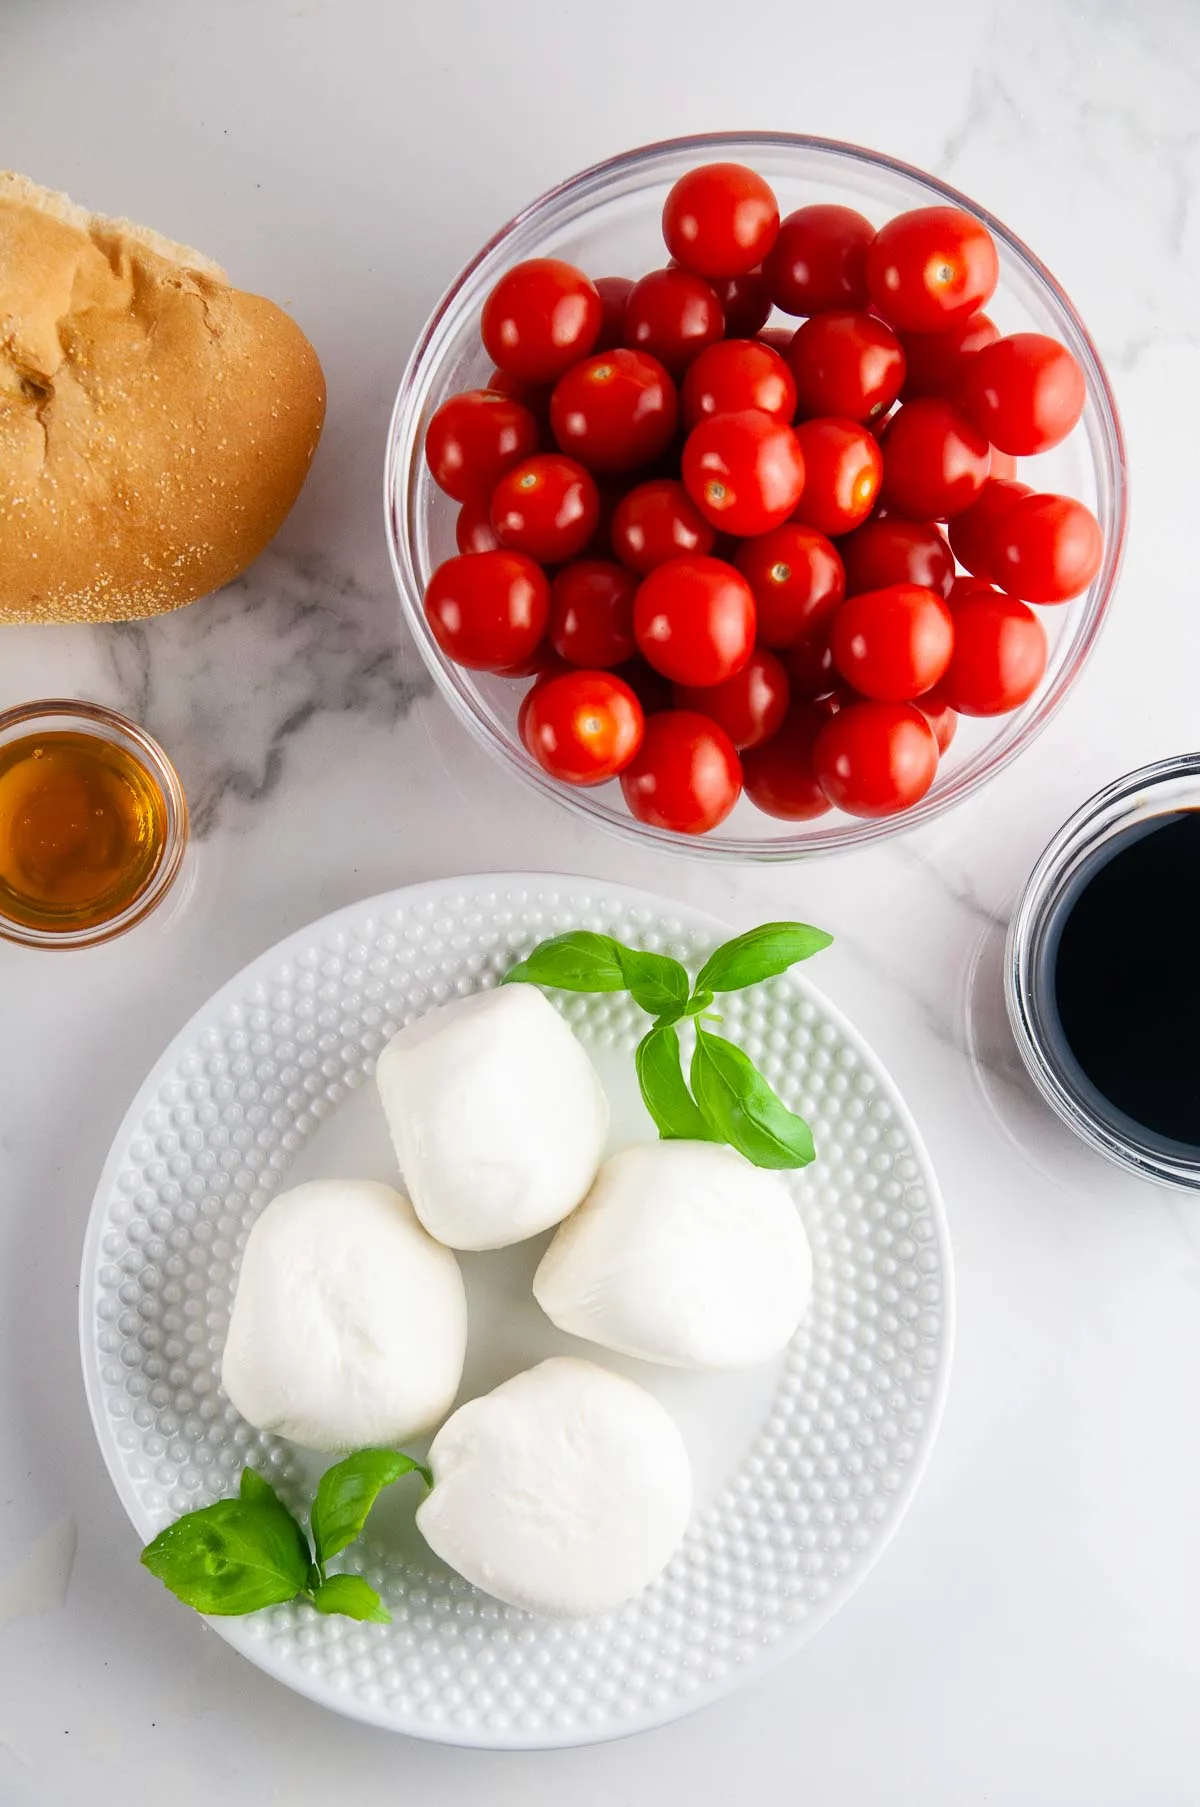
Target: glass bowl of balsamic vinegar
x,y
1102,972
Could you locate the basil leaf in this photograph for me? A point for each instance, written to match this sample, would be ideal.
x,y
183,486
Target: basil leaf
x,y
579,961
660,1075
760,954
697,1004
656,983
348,1490
234,1556
351,1595
738,1102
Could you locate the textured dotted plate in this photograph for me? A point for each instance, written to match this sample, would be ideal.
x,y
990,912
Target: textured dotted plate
x,y
803,1468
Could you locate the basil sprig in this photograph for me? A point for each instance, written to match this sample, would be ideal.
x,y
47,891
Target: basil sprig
x,y
239,1555
724,1098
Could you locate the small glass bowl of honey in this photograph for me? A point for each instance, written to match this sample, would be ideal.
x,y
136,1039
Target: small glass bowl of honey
x,y
93,824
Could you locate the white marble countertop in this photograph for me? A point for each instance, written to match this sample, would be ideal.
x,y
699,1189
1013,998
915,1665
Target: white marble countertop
x,y
1033,1636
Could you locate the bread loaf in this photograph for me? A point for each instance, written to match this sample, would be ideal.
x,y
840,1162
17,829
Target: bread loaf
x,y
156,425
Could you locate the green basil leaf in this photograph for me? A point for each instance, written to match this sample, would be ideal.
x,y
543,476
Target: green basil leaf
x,y
660,1075
351,1595
656,983
349,1489
760,954
579,961
234,1556
738,1102
697,1004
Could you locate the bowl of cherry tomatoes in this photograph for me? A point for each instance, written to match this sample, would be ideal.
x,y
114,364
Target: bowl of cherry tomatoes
x,y
755,495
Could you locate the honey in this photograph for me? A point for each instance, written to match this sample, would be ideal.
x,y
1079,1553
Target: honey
x,y
83,825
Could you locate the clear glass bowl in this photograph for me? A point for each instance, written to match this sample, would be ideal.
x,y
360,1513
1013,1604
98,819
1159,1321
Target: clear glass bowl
x,y
608,220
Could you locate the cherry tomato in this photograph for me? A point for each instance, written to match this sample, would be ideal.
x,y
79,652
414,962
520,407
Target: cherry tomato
x,y
930,268
999,655
547,507
583,727
1003,463
720,220
940,715
893,644
971,531
615,412
935,362
779,776
614,292
779,338
673,315
846,364
873,759
651,689
591,613
964,586
744,472
687,776
809,665
534,396
1024,393
488,610
843,467
542,662
797,580
820,260
540,318
473,530
474,438
750,705
745,302
735,375
693,619
1045,548
934,462
657,521
895,551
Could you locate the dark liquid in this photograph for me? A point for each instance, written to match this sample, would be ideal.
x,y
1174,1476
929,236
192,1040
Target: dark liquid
x,y
1125,957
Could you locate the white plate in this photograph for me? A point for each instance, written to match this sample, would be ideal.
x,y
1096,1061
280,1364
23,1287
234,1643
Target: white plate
x,y
803,1468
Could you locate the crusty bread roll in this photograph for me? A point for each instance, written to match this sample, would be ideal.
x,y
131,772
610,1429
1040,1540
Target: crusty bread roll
x,y
155,424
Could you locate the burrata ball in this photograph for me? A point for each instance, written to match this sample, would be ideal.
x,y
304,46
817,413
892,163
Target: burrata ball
x,y
683,1253
497,1116
349,1322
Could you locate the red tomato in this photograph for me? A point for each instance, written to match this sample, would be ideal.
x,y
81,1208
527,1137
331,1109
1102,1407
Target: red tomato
x,y
657,521
473,530
964,586
745,302
651,689
615,412
874,759
971,531
543,662
474,438
999,655
895,551
744,472
843,467
930,268
940,715
547,507
893,644
687,776
820,260
797,580
1045,548
735,375
1024,393
591,613
614,292
779,776
1003,464
534,396
720,220
750,705
935,362
693,619
934,461
779,338
583,727
846,364
488,610
809,665
540,318
672,315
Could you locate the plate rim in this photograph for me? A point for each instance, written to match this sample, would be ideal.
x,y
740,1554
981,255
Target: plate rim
x,y
235,1631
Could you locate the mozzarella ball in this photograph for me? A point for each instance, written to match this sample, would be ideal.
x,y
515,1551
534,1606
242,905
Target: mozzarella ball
x,y
564,1491
683,1253
497,1116
349,1322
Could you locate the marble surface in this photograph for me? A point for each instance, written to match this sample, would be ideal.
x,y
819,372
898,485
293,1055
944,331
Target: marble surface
x,y
1033,1636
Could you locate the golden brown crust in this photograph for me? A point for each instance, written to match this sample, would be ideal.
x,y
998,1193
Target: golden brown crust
x,y
156,425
